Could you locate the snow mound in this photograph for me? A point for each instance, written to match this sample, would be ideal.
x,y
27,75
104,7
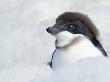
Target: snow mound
x,y
24,73
88,70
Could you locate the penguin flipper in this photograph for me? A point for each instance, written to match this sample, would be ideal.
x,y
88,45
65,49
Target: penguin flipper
x,y
50,63
99,46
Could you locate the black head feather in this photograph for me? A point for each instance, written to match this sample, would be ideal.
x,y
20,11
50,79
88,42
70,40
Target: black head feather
x,y
82,19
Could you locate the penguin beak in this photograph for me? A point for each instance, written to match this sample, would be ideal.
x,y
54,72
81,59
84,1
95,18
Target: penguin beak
x,y
49,30
52,30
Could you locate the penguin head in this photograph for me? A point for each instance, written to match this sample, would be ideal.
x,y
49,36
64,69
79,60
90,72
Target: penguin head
x,y
72,25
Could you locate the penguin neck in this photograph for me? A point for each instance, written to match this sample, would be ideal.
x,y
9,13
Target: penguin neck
x,y
64,39
80,47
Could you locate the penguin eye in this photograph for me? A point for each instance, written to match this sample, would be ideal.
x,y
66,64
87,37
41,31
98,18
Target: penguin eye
x,y
71,26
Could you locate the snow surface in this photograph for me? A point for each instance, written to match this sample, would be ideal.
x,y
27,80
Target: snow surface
x,y
26,48
88,70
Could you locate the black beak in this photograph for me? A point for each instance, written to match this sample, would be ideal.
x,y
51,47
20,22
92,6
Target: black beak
x,y
49,30
52,30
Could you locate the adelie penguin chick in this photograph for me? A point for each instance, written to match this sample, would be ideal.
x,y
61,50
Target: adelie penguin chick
x,y
76,38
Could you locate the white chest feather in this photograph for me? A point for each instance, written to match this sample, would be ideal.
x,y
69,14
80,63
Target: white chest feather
x,y
74,52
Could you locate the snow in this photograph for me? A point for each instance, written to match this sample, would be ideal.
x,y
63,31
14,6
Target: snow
x,y
26,48
24,73
89,70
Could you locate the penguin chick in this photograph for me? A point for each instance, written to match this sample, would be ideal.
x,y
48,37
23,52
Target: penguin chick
x,y
76,38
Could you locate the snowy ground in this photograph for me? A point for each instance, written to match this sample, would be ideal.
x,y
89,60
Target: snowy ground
x,y
25,46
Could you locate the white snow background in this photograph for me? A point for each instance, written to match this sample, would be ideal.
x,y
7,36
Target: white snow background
x,y
26,47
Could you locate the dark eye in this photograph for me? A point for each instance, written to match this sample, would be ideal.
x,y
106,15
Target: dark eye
x,y
71,26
